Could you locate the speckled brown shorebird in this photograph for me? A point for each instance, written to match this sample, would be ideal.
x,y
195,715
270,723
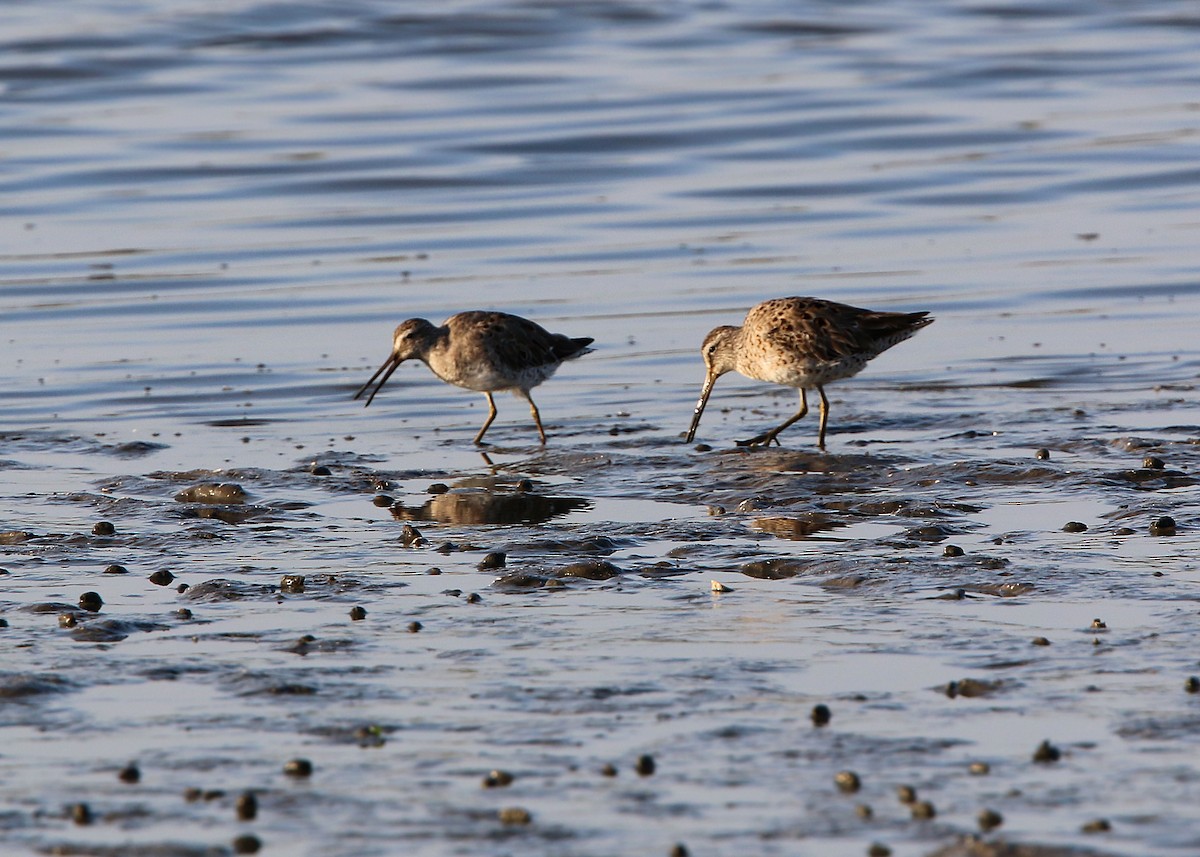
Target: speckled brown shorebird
x,y
804,343
482,351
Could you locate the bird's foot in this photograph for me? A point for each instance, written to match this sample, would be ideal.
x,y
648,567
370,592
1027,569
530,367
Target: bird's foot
x,y
765,439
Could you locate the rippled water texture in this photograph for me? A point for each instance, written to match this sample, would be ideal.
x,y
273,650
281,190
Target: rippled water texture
x,y
214,213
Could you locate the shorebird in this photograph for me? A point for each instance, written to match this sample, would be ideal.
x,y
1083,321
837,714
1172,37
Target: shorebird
x,y
804,343
482,351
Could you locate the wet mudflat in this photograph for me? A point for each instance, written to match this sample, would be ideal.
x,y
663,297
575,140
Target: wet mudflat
x,y
244,615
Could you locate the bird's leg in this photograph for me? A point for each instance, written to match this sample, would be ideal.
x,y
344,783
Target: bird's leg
x,y
537,418
773,435
491,416
824,418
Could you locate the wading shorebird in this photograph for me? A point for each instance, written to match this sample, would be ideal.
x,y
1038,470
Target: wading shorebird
x,y
804,343
482,351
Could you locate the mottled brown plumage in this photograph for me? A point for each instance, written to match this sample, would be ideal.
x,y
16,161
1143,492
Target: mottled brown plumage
x,y
482,351
804,343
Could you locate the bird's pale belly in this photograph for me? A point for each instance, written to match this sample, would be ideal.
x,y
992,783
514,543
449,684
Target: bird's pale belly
x,y
805,374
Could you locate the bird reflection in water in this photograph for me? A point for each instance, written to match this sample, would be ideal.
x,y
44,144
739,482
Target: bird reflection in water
x,y
486,507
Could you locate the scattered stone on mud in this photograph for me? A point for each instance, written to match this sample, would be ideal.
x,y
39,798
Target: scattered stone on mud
x,y
979,769
1042,454
298,768
103,528
215,493
1099,625
772,569
645,765
1040,641
437,488
989,820
1046,753
223,589
358,613
129,774
183,613
974,846
115,569
1192,685
588,569
320,470
864,811
162,577
797,528
91,602
495,559
821,715
414,627
679,850
1151,462
474,598
410,537
952,551
80,813
497,779
1096,825
246,806
247,843
515,815
15,537
971,687
718,587
383,500
1164,526
923,810
878,849
291,583
906,795
608,770
847,781
1074,527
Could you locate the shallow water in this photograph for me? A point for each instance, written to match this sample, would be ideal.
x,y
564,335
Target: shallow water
x,y
215,214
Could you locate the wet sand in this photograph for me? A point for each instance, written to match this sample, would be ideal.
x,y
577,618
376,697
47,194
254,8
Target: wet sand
x,y
312,628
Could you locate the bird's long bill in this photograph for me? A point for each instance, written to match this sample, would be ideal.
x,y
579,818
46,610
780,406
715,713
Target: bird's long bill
x,y
704,394
389,366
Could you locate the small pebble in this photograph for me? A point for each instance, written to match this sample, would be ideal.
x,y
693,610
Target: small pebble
x,y
1192,685
383,500
1098,625
292,583
878,849
298,768
1098,825
181,588
525,486
1040,641
67,620
608,770
410,536
923,810
989,820
438,488
847,781
952,550
161,578
979,769
702,447
80,813
1164,526
91,602
1074,527
247,843
1150,462
515,815
495,559
474,598
1124,531
414,627
319,470
644,765
497,779
679,850
1046,753
821,715
906,794
129,774
103,528
718,586
1042,454
115,569
358,612
864,811
246,806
